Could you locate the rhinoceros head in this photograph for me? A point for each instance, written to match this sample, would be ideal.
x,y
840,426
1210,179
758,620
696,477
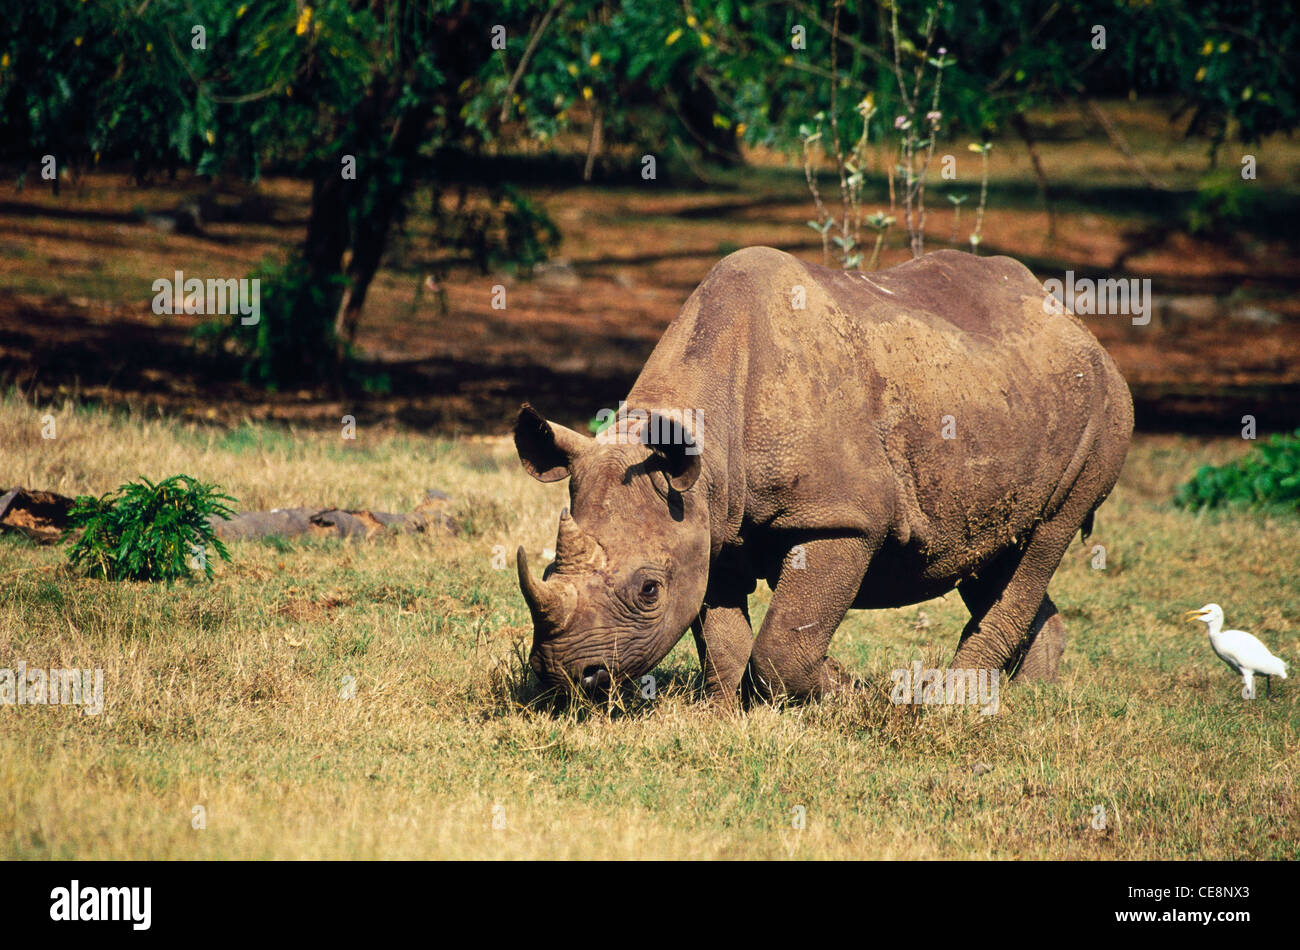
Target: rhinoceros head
x,y
631,560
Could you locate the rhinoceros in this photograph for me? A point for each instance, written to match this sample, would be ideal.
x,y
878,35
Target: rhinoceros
x,y
857,440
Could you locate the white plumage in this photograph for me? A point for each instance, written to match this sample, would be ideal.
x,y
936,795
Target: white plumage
x,y
1241,651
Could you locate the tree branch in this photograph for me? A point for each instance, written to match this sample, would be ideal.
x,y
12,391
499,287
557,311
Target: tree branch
x,y
528,54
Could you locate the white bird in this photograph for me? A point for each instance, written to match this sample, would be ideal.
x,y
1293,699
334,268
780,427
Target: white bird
x,y
1241,651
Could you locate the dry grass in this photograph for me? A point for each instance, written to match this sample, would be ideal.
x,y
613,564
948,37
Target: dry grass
x,y
228,695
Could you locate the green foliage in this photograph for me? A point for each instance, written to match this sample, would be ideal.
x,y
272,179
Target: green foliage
x,y
1267,476
1223,61
529,235
1229,63
510,232
148,532
1222,202
114,77
294,336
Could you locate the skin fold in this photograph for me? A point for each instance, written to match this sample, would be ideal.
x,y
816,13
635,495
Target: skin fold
x,y
857,441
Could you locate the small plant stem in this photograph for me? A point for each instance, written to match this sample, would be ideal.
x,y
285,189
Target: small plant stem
x,y
835,127
822,214
875,251
975,237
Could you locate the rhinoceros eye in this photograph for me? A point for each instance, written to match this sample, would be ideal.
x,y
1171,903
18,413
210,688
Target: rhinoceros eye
x,y
644,591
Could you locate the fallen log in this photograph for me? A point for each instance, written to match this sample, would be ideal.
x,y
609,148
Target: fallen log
x,y
43,517
336,522
40,515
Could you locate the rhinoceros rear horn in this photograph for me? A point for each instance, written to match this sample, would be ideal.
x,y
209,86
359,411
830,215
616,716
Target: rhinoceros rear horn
x,y
574,548
546,449
550,602
676,447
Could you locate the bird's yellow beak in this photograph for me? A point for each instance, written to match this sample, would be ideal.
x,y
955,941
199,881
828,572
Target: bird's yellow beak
x,y
1194,614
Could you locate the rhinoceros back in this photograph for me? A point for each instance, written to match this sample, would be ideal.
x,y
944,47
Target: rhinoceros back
x,y
938,397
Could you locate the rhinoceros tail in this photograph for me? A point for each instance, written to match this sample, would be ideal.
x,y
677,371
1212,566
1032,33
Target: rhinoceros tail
x,y
1086,529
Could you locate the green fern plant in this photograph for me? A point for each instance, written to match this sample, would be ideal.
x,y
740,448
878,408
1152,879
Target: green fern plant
x,y
148,532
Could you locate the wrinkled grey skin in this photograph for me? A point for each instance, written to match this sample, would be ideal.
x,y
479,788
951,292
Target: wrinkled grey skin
x,y
823,467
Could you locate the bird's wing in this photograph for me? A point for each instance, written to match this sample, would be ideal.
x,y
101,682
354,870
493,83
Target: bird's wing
x,y
1218,651
1247,652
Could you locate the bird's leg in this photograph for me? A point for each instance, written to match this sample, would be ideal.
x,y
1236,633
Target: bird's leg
x,y
1248,685
1268,687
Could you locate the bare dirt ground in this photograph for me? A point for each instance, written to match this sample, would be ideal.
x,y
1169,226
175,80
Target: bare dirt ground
x,y
77,269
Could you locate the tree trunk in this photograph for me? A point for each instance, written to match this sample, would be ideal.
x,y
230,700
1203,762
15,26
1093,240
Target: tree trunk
x,y
374,228
1021,125
327,228
385,174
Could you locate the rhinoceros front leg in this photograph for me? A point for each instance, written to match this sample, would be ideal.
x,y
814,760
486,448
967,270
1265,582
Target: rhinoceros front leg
x,y
724,638
814,591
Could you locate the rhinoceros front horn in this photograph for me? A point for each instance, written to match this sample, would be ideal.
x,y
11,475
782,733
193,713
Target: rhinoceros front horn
x,y
550,602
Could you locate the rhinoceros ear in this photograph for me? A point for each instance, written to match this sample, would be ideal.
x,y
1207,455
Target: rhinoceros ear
x,y
677,448
546,448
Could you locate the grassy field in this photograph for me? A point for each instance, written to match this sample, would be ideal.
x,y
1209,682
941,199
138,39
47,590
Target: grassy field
x,y
229,695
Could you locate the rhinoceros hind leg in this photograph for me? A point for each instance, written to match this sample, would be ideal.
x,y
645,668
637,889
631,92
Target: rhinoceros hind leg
x,y
1014,625
1046,644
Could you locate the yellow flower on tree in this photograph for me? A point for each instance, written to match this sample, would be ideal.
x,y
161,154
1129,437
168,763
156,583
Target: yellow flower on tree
x,y
304,20
673,37
594,61
586,92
